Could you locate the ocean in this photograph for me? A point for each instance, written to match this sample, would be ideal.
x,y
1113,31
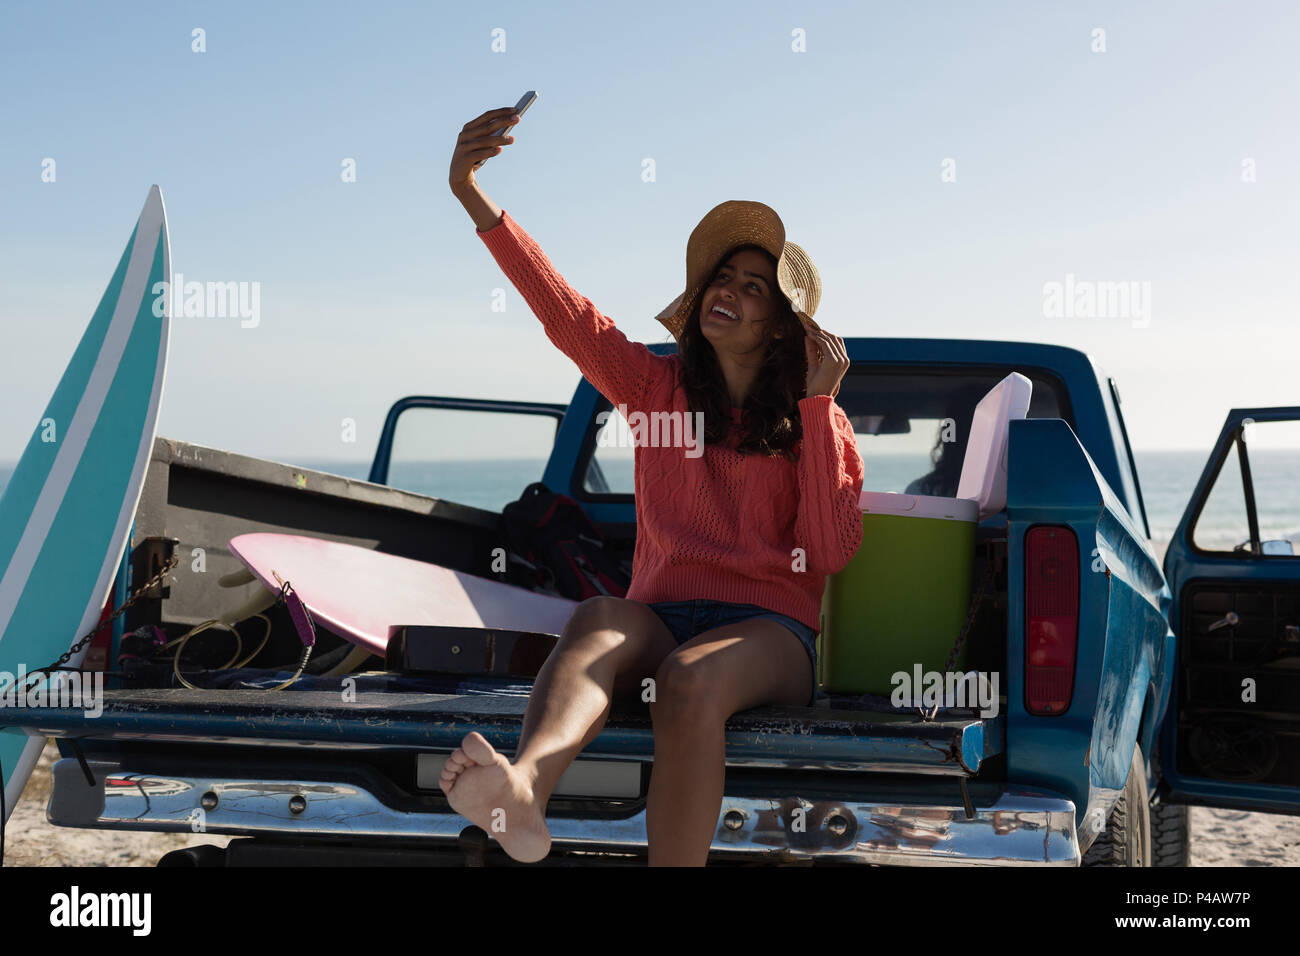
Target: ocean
x,y
1167,479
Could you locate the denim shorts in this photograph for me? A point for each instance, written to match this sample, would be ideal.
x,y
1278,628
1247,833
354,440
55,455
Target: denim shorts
x,y
686,619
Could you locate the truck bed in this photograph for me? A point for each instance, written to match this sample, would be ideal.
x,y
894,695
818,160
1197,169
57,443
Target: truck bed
x,y
202,497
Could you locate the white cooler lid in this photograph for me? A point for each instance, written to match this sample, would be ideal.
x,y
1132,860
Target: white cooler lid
x,y
984,469
918,506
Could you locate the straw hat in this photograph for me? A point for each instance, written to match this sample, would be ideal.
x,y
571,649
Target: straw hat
x,y
735,223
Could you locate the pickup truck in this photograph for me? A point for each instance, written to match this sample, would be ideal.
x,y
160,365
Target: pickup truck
x,y
1128,689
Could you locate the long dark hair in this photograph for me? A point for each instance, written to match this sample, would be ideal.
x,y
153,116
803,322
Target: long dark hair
x,y
769,420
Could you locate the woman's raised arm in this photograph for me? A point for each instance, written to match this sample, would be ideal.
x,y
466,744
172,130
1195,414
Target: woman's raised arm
x,y
622,371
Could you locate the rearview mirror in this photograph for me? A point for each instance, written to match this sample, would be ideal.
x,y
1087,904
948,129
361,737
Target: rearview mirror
x,y
1278,546
887,424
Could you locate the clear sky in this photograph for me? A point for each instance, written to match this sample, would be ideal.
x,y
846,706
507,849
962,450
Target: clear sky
x,y
941,162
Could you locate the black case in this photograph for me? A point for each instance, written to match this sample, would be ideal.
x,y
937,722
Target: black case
x,y
423,649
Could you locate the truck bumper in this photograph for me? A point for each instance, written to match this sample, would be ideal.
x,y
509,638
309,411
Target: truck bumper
x,y
1018,826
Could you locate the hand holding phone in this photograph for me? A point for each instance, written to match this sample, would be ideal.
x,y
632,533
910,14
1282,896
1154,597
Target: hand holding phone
x,y
525,101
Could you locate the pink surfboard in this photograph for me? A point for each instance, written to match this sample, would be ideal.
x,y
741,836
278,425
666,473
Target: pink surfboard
x,y
359,593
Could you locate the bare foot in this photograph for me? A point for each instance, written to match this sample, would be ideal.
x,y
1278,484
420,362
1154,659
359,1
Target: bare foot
x,y
491,793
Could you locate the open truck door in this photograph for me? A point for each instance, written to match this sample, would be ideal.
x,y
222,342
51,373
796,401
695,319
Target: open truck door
x,y
1231,737
420,432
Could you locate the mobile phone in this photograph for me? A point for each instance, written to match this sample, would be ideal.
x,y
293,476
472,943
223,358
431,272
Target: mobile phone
x,y
525,101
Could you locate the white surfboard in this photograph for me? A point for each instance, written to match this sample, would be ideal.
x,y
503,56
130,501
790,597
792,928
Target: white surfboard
x,y
362,594
67,511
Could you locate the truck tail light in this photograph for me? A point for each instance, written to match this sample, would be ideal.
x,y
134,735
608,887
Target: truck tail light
x,y
1051,618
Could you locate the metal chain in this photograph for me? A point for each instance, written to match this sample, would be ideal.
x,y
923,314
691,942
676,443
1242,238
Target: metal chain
x,y
961,637
67,655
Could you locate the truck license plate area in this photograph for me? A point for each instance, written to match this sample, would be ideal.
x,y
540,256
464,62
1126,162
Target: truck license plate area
x,y
584,778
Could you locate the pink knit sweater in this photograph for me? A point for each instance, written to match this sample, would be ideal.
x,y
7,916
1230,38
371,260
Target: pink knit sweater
x,y
724,526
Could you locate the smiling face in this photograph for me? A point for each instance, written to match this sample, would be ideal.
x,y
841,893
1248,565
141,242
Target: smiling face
x,y
744,285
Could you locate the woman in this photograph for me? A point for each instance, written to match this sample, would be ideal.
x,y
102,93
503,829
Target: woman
x,y
733,546
949,451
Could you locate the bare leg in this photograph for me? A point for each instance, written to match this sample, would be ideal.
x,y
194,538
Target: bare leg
x,y
616,644
701,684
609,644
685,789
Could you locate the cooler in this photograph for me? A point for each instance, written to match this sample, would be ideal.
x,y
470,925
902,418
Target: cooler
x,y
901,601
903,598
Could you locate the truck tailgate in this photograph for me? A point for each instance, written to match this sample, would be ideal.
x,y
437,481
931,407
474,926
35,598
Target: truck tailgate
x,y
828,738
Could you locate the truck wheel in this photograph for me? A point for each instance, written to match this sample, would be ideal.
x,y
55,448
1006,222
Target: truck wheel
x,y
1170,835
1171,831
1126,841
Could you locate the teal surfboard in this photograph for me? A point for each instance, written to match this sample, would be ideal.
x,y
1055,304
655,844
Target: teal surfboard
x,y
67,511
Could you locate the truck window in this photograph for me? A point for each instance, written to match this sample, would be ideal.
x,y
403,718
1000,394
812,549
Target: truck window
x,y
468,456
911,426
1272,451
